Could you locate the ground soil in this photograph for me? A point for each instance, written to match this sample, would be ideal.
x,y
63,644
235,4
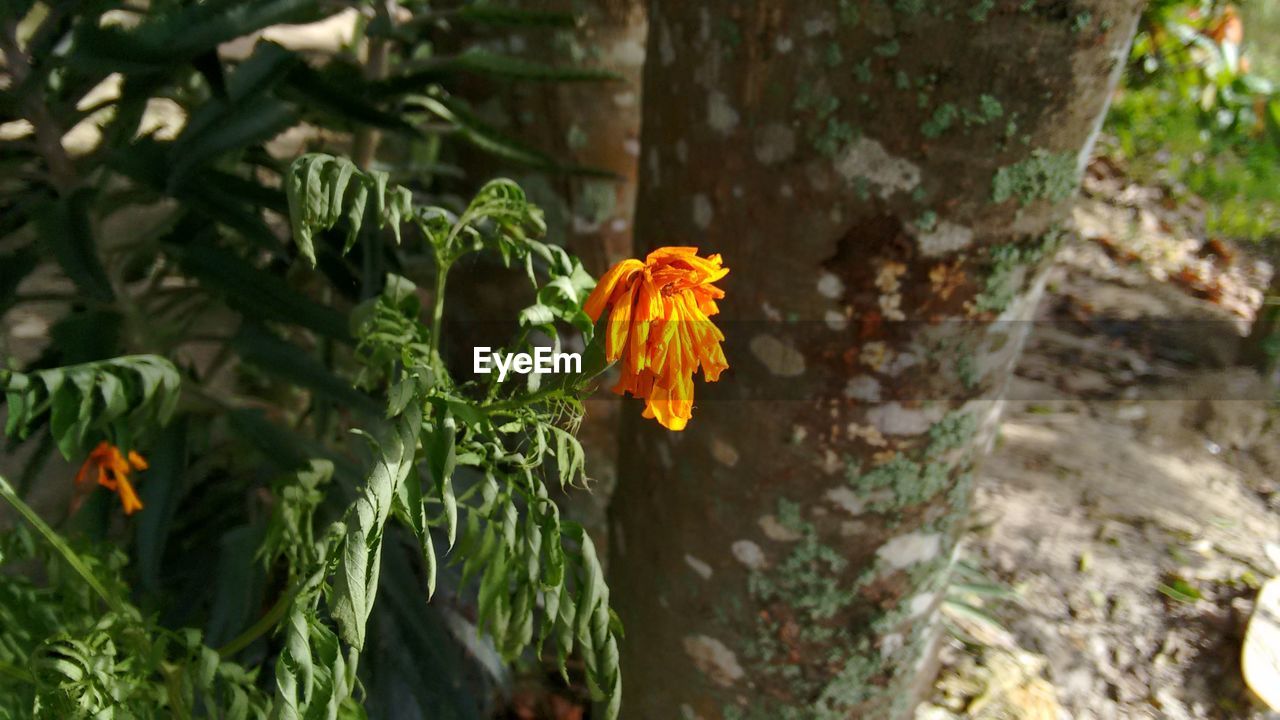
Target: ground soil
x,y
1132,501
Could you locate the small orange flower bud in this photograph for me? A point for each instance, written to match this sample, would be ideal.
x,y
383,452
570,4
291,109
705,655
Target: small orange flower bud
x,y
113,469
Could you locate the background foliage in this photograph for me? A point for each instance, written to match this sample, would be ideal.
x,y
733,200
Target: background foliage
x,y
1199,110
156,168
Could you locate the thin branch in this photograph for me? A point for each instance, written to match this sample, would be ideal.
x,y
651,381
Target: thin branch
x,y
365,142
265,624
48,135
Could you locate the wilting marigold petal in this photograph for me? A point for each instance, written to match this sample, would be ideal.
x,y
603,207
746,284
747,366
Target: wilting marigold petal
x,y
659,327
601,296
618,327
129,498
137,461
648,305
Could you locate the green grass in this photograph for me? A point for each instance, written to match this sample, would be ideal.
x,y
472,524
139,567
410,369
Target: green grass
x,y
1165,141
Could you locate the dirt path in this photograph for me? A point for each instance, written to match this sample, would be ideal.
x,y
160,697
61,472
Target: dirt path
x,y
1129,503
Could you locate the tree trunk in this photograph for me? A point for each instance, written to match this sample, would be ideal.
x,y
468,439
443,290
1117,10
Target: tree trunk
x,y
887,182
599,127
593,125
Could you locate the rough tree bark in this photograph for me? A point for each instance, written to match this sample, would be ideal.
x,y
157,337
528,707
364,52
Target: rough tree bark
x,y
887,181
598,126
592,124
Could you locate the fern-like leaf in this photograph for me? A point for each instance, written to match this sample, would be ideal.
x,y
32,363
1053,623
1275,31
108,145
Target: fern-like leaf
x,y
124,396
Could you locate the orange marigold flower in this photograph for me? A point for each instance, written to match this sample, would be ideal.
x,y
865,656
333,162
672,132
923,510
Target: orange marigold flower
x,y
659,327
113,468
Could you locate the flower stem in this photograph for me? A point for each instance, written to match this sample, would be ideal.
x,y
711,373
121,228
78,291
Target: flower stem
x,y
437,308
60,545
542,393
260,628
377,62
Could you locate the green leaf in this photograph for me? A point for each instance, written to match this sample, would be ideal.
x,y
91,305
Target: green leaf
x,y
442,458
477,60
221,128
1180,590
166,38
294,365
126,396
494,142
64,226
316,186
263,70
491,14
356,579
570,458
336,97
258,293
237,585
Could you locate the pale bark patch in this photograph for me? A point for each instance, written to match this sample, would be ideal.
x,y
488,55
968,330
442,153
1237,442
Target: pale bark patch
x,y
720,114
868,159
628,53
824,23
831,462
922,603
891,644
853,528
702,211
714,659
830,285
701,568
864,388
666,48
664,456
724,453
846,499
901,362
907,550
749,554
775,530
894,419
946,238
781,359
775,143
875,355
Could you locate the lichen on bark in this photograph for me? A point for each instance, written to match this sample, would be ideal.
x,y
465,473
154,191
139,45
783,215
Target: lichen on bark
x,y
1043,176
